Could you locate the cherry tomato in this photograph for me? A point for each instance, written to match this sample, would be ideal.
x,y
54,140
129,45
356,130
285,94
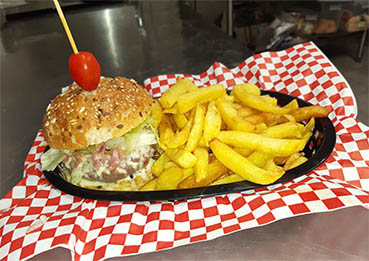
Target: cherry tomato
x,y
85,70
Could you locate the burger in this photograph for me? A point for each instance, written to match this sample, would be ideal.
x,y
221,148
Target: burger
x,y
101,139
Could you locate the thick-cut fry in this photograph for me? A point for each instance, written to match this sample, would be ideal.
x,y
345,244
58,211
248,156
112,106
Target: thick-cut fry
x,y
180,119
243,151
277,147
179,138
231,117
292,105
157,113
151,185
270,165
242,166
183,158
172,110
245,111
260,127
158,165
270,100
294,160
215,170
257,103
189,100
201,166
165,130
309,126
212,123
169,98
248,88
284,130
228,179
202,143
197,127
169,164
169,179
305,113
259,158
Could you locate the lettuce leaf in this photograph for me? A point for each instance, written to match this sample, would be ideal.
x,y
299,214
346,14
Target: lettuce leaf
x,y
51,159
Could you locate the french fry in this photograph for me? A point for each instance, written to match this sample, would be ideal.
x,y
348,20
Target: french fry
x,y
201,166
306,113
212,123
284,130
158,165
309,126
270,100
228,179
257,103
151,185
202,143
232,118
169,164
157,113
169,179
260,127
183,158
243,151
277,147
248,88
196,130
293,105
172,110
215,170
270,165
169,98
259,158
294,160
242,166
189,100
179,138
180,119
165,130
245,111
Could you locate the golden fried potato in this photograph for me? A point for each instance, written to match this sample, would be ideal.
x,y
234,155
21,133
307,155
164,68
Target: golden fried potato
x,y
169,98
183,158
180,119
201,166
257,103
228,179
158,165
212,123
242,166
196,130
157,113
169,179
189,100
151,185
306,113
284,130
231,117
277,147
215,170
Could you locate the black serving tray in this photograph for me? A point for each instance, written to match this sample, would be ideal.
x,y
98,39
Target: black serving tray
x,y
317,150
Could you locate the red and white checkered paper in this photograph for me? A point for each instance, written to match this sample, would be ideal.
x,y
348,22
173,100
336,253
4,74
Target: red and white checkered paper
x,y
102,229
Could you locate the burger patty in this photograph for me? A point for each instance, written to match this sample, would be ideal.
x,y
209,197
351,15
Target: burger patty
x,y
110,165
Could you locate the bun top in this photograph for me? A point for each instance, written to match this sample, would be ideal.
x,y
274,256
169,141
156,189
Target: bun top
x,y
77,118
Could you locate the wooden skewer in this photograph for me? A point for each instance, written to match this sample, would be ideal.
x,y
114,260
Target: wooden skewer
x,y
66,28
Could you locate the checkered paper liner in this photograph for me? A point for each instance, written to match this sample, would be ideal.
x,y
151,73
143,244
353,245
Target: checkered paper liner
x,y
36,217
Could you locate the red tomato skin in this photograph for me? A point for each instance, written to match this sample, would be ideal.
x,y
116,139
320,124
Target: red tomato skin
x,y
85,70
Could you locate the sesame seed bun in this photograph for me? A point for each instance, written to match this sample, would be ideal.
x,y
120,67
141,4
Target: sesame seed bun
x,y
77,118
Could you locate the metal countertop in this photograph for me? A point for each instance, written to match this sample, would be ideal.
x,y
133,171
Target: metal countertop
x,y
139,40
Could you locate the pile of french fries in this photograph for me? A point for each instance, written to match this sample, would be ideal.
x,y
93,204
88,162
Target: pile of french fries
x,y
209,137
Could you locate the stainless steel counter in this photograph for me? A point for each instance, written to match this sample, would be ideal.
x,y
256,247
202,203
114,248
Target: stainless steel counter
x,y
140,40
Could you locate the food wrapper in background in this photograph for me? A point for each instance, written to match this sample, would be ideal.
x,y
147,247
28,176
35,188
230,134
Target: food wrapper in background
x,y
36,217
